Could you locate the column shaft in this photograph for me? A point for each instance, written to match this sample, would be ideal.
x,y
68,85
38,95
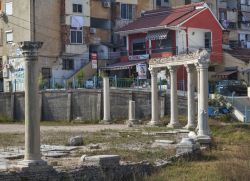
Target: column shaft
x,y
106,100
173,98
198,96
190,89
203,124
32,123
154,98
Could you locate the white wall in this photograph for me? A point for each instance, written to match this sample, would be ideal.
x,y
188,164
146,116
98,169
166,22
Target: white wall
x,y
196,38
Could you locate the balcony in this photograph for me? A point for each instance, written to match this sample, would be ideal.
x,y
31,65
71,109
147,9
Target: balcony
x,y
228,25
244,7
147,54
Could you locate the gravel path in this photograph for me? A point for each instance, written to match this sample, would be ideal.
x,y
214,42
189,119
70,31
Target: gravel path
x,y
18,128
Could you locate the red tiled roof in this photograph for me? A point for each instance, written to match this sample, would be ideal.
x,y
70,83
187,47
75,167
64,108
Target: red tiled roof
x,y
162,17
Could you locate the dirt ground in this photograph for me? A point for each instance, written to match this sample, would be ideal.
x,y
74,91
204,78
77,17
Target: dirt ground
x,y
19,128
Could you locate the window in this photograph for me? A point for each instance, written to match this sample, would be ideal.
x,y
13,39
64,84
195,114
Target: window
x,y
46,73
8,8
126,11
139,47
208,40
77,8
68,64
76,36
9,36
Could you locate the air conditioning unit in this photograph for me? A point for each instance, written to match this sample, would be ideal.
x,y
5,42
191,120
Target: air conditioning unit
x,y
7,66
106,4
92,30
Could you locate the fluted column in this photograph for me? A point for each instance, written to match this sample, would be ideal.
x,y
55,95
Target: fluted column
x,y
204,131
32,156
174,122
154,98
190,83
106,100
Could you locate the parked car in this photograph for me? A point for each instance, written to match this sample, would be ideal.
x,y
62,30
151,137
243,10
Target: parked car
x,y
89,84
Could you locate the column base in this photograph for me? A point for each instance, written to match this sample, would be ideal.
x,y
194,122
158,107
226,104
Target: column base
x,y
132,122
174,125
153,123
204,139
189,126
33,165
105,122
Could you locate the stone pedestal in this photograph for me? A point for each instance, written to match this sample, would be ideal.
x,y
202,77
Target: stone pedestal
x,y
154,99
32,155
106,101
190,88
174,122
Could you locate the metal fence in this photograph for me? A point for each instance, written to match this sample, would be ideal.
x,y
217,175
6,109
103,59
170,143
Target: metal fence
x,y
242,104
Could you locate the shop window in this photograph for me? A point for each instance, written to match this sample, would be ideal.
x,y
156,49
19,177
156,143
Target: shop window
x,y
68,64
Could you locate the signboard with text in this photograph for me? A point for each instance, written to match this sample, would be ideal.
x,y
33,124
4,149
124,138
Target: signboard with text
x,y
94,60
138,57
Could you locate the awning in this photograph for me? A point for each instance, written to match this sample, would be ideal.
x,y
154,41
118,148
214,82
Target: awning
x,y
226,73
122,65
157,35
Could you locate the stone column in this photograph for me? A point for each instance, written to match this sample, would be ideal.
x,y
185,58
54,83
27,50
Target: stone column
x,y
32,155
198,96
174,122
190,76
106,100
154,98
203,132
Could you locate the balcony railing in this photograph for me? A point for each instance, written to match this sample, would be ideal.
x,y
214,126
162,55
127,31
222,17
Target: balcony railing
x,y
228,25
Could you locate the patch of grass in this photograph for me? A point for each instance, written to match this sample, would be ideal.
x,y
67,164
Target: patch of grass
x,y
5,119
228,161
11,139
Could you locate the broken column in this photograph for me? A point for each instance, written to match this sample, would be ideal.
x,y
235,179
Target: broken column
x,y
106,100
32,155
174,122
131,113
154,98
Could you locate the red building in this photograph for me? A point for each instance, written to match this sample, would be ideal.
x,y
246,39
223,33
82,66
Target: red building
x,y
171,31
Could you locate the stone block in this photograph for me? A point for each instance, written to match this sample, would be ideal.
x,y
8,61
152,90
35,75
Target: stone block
x,y
187,145
104,161
76,141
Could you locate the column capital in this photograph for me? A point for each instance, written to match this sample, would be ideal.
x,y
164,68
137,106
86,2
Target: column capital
x,y
172,68
190,68
153,71
30,49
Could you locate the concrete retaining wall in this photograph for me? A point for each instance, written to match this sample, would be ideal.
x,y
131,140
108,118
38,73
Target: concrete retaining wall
x,y
86,104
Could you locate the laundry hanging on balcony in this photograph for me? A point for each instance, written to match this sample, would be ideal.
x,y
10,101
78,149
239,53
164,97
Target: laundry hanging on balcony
x,y
157,35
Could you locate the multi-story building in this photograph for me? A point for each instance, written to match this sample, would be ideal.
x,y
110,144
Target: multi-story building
x,y
28,21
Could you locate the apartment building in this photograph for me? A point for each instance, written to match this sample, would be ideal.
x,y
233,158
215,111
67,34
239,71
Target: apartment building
x,y
28,21
60,24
